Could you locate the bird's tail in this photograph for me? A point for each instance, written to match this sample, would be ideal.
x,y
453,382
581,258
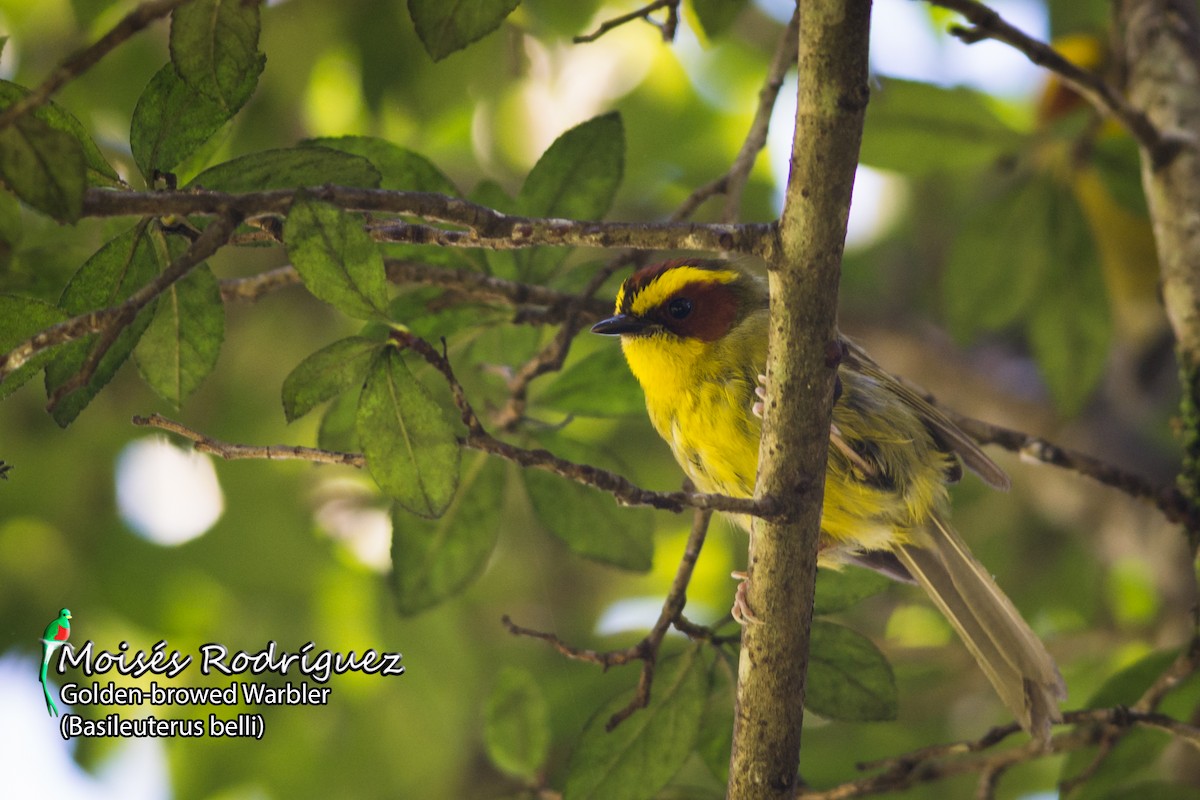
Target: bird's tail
x,y
47,653
1011,655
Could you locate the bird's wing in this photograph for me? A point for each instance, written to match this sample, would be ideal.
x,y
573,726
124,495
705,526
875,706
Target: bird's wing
x,y
937,422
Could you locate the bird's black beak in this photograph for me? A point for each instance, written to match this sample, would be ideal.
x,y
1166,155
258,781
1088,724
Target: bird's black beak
x,y
621,323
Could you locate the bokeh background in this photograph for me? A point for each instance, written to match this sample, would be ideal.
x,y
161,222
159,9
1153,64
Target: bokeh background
x,y
146,542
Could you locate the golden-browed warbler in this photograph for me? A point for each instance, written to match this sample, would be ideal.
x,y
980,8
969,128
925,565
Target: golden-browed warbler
x,y
695,335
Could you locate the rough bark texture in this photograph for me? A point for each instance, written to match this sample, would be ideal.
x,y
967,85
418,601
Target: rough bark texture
x,y
832,98
1160,47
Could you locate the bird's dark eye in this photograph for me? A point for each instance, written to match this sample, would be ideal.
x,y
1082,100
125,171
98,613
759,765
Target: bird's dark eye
x,y
679,308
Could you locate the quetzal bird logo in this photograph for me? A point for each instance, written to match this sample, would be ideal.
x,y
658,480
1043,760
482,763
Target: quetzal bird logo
x,y
57,633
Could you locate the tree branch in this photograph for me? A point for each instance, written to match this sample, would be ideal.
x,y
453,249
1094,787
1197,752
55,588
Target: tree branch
x,y
85,59
237,452
1160,43
831,103
987,24
487,228
1167,499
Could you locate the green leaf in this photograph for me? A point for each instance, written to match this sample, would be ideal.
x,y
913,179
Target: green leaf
x,y
327,373
118,269
638,757
338,261
337,431
986,287
578,175
433,560
1071,327
597,385
838,590
171,121
410,446
848,678
918,129
426,312
99,171
180,347
21,318
715,16
516,727
444,26
214,47
1158,790
44,167
1119,163
590,521
1133,757
576,178
715,740
400,169
88,11
288,168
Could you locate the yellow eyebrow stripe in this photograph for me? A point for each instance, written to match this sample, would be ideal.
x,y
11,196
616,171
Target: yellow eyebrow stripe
x,y
671,282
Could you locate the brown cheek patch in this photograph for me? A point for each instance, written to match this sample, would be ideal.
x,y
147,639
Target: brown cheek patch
x,y
714,308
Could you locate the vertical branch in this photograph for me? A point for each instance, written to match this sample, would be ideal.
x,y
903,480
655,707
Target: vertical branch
x,y
831,101
1160,46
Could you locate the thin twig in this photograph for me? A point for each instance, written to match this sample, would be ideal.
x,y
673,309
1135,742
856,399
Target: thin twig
x,y
733,182
236,452
85,59
1184,665
466,283
552,357
605,658
667,27
251,288
756,139
987,24
479,286
647,649
672,607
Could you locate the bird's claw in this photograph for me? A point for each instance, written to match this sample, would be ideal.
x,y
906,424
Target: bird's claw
x,y
741,611
760,391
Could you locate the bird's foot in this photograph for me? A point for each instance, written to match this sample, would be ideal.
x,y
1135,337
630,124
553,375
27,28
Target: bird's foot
x,y
741,611
760,391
